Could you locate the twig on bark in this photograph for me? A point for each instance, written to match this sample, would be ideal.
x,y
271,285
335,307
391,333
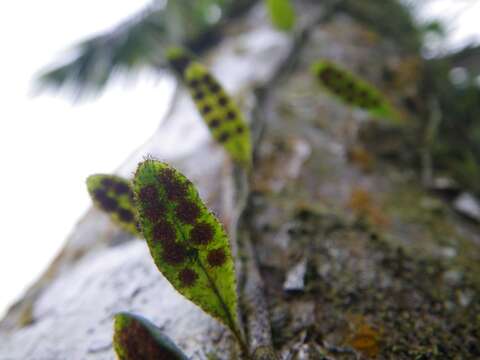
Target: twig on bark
x,y
253,304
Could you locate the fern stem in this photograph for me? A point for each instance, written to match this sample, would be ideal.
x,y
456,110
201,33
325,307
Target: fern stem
x,y
232,323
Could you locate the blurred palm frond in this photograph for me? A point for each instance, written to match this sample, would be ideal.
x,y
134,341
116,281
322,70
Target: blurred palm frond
x,y
139,42
132,44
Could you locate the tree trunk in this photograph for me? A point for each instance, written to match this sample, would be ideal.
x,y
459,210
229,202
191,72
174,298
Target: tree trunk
x,y
342,254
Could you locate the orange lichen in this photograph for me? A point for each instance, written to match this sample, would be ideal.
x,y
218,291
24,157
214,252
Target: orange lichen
x,y
366,340
362,204
360,201
361,157
364,337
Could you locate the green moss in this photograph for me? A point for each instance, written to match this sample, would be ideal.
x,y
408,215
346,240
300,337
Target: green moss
x,y
421,303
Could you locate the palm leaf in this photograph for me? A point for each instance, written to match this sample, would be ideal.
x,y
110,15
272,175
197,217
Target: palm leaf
x,y
131,45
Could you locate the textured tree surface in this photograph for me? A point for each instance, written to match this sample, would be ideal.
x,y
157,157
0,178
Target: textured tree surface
x,y
358,259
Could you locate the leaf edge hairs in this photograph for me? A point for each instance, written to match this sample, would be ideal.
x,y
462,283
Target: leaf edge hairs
x,y
134,336
114,195
362,94
188,244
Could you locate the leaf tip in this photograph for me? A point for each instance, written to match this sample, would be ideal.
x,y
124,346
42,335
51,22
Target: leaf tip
x,y
179,59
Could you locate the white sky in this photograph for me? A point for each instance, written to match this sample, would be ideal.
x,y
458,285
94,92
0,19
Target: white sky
x,y
49,146
460,18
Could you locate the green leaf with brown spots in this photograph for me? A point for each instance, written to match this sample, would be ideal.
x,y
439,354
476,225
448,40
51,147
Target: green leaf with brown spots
x,y
221,114
136,338
187,242
114,195
282,13
353,91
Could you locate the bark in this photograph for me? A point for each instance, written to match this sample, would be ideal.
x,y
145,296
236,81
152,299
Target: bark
x,y
341,253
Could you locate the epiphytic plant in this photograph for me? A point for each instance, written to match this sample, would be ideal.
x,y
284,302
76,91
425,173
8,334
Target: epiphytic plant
x,y
219,111
114,195
137,338
187,242
281,13
352,90
179,59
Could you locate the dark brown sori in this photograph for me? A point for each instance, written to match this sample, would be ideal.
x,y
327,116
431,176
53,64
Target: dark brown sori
x,y
154,211
100,194
107,182
208,79
201,234
216,257
138,344
107,203
125,215
224,136
199,95
187,211
223,101
214,88
175,190
194,83
121,188
214,123
164,233
187,277
207,109
174,254
148,194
